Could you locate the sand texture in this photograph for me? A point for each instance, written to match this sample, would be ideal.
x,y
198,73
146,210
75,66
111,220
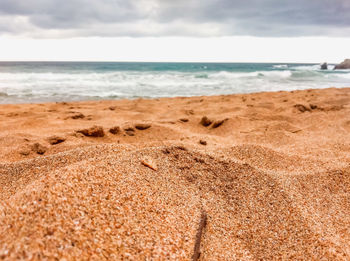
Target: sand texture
x,y
262,176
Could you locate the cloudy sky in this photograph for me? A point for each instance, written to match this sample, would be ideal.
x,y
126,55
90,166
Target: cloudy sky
x,y
175,30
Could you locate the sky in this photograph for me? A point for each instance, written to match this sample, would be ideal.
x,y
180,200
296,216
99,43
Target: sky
x,y
175,30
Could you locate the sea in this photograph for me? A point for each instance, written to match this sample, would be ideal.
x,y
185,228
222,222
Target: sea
x,y
29,82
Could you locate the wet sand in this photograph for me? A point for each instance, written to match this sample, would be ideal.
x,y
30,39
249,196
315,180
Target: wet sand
x,y
234,177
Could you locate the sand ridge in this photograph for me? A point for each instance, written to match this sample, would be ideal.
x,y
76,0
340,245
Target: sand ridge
x,y
271,181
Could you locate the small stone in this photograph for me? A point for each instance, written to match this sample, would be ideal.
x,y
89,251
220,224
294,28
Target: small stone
x,y
203,142
218,123
142,126
94,131
205,121
112,108
38,148
53,140
114,130
184,119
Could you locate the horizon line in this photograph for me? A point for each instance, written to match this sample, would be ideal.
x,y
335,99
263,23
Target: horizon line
x,y
114,61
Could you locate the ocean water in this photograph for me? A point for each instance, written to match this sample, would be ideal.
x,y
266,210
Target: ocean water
x,y
24,82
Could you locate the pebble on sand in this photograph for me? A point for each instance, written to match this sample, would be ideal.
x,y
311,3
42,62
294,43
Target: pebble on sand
x,y
114,130
142,126
94,131
203,142
218,123
53,140
205,121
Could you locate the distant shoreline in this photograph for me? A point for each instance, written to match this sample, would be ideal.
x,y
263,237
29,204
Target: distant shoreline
x,y
163,98
44,82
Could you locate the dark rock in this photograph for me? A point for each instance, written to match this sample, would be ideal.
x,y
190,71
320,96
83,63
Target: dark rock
x,y
184,119
53,140
324,66
344,65
203,142
95,131
218,123
205,121
114,130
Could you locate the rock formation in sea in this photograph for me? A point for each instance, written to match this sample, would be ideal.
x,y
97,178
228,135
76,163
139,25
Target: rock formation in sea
x,y
344,65
324,66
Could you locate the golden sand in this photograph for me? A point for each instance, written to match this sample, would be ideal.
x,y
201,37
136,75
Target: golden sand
x,y
263,176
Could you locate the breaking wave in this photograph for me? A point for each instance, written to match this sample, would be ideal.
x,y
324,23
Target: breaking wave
x,y
37,85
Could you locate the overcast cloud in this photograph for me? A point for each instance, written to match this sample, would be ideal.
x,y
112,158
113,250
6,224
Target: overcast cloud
x,y
137,18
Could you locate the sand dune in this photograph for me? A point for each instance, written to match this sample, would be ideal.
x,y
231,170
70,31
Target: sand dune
x,y
268,178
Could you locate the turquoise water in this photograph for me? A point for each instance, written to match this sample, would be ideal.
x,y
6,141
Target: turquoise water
x,y
67,81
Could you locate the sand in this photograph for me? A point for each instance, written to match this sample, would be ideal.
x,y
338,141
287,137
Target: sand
x,y
263,176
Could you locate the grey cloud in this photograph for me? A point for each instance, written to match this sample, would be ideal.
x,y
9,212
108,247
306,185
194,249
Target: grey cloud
x,y
176,17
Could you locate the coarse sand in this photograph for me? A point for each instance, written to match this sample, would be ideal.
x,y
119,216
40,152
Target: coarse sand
x,y
263,176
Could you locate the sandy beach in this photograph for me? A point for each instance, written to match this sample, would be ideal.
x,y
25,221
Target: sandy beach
x,y
260,176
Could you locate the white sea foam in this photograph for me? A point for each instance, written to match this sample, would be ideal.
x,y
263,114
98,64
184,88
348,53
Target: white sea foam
x,y
280,66
55,86
314,67
276,74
